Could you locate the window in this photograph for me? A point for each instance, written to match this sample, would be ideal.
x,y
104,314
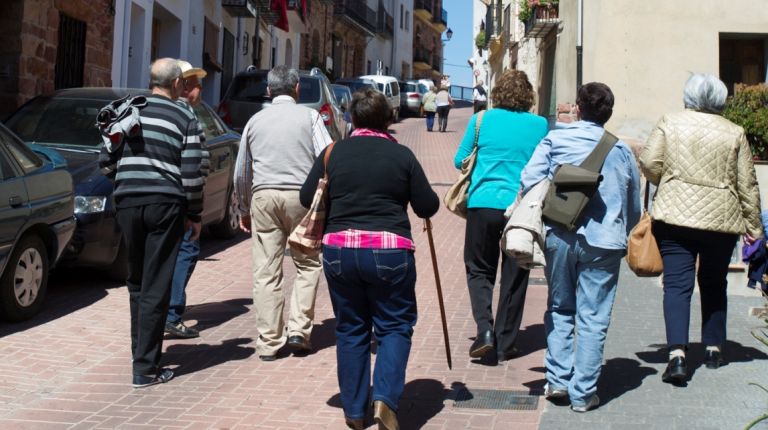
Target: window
x,y
407,20
401,16
28,160
70,54
743,60
210,128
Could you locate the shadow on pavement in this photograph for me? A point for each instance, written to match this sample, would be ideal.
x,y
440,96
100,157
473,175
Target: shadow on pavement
x,y
209,245
192,358
209,315
68,290
619,376
422,399
531,339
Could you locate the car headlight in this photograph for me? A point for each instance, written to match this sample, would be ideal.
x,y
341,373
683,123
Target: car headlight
x,y
89,204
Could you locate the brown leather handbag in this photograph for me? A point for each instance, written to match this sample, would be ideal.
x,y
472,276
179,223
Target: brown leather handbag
x,y
643,255
456,197
308,235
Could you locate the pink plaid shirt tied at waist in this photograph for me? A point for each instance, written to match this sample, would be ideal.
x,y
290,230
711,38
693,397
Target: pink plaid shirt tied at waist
x,y
352,238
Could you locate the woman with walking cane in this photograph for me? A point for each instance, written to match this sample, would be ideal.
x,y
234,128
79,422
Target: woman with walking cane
x,y
368,256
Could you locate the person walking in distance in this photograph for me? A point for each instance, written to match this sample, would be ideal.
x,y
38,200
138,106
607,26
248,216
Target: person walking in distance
x,y
428,102
278,147
158,190
480,96
444,103
190,249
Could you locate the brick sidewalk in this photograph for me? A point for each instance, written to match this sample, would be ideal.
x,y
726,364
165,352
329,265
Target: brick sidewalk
x,y
70,366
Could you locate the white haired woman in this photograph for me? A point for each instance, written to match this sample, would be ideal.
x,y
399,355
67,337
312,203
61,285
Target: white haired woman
x,y
707,196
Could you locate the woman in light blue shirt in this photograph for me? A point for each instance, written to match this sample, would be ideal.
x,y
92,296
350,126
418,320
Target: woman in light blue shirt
x,y
508,136
583,265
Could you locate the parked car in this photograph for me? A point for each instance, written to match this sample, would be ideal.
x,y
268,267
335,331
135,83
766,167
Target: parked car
x,y
411,93
36,223
247,94
65,121
356,84
344,96
391,89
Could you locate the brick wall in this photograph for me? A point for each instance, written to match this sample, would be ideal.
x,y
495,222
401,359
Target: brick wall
x,y
32,66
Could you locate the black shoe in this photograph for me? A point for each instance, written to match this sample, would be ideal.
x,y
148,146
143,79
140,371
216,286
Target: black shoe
x,y
163,376
180,330
505,356
268,357
713,359
676,372
483,343
298,342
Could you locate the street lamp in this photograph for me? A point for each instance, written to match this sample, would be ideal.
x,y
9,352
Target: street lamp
x,y
448,35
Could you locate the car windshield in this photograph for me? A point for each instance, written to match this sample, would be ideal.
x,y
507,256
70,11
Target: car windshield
x,y
356,85
340,93
58,121
253,88
408,88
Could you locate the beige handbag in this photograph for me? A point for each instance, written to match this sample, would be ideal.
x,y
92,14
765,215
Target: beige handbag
x,y
643,255
308,235
458,194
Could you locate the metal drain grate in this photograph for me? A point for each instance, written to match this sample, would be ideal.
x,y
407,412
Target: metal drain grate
x,y
537,281
496,399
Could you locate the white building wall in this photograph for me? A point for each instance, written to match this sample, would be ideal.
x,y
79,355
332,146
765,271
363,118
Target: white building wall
x,y
480,69
379,49
403,39
183,39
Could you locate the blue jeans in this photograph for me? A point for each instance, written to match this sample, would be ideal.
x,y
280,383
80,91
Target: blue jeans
x,y
185,265
430,119
582,286
371,289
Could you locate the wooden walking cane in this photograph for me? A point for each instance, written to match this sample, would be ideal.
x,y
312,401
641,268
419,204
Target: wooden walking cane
x,y
428,228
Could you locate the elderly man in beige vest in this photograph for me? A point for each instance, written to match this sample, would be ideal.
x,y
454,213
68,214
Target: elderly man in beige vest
x,y
277,150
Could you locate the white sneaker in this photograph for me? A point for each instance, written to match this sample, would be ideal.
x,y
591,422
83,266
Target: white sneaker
x,y
554,393
593,402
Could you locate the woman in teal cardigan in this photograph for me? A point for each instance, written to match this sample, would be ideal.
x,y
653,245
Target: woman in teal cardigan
x,y
508,136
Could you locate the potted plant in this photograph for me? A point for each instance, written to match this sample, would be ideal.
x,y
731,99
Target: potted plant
x,y
480,41
748,107
527,8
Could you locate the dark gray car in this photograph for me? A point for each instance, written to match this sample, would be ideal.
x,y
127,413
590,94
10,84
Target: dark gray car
x,y
247,94
36,223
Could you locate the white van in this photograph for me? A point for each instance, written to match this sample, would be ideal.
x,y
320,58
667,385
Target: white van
x,y
390,87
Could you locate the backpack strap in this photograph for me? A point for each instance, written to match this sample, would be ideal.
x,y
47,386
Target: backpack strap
x,y
596,158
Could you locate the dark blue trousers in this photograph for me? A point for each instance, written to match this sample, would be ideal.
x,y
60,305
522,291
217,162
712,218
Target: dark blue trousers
x,y
371,289
680,246
186,261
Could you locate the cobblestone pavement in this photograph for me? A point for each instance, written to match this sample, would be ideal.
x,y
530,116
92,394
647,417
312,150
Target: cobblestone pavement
x,y
70,366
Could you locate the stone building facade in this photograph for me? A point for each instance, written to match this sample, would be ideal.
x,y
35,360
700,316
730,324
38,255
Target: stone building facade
x,y
51,44
430,21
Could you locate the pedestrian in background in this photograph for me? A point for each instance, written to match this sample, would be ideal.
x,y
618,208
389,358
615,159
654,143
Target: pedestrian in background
x,y
582,267
276,153
707,195
368,256
480,96
189,251
158,190
428,103
508,135
444,102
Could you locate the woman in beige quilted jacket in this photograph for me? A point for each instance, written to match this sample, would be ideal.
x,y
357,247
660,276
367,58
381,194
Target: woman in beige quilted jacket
x,y
707,196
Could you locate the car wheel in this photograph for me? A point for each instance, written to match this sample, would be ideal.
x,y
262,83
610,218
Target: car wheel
x,y
230,225
24,282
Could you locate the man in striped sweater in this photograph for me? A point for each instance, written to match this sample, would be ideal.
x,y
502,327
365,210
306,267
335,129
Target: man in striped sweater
x,y
158,195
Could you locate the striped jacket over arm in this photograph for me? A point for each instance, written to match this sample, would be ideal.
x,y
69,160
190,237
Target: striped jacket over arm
x,y
166,159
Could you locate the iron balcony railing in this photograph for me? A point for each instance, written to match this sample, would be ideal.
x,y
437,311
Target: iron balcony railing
x,y
422,55
441,18
358,12
385,23
423,4
542,20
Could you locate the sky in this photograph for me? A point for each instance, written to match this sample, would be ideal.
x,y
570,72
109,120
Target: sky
x,y
459,49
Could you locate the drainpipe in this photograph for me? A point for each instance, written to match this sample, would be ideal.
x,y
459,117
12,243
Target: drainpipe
x,y
579,41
